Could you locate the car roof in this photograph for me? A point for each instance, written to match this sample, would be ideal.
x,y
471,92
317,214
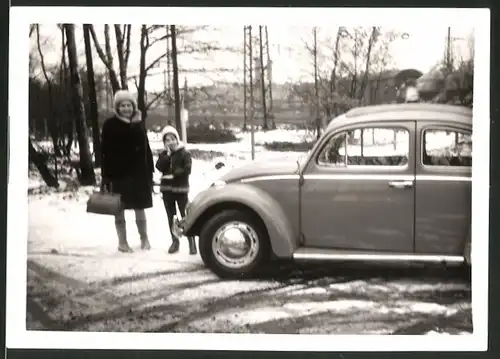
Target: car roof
x,y
405,112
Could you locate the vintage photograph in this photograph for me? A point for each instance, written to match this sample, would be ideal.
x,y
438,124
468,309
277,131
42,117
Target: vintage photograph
x,y
259,179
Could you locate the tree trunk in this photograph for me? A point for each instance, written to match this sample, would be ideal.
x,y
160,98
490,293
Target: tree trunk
x,y
122,63
333,76
141,87
67,125
316,88
87,170
175,70
265,125
94,116
40,161
367,65
53,121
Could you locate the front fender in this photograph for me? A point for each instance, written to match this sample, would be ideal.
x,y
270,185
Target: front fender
x,y
281,236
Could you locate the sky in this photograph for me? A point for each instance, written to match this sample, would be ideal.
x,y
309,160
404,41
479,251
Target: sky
x,y
421,49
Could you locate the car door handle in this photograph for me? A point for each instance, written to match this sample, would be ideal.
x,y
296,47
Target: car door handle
x,y
401,184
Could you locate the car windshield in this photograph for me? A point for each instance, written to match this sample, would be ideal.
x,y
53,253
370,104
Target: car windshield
x,y
302,159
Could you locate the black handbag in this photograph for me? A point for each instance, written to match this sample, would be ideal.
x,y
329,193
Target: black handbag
x,y
104,202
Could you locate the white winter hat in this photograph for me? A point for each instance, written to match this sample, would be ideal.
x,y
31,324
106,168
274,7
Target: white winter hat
x,y
124,95
169,130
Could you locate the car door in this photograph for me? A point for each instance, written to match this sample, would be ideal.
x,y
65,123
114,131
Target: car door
x,y
443,188
362,199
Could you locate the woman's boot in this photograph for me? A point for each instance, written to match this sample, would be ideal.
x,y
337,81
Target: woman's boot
x,y
142,228
121,231
192,245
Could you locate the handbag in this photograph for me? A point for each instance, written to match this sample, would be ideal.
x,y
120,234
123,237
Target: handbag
x,y
104,202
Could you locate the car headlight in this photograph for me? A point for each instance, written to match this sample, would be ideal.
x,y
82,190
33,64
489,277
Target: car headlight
x,y
218,183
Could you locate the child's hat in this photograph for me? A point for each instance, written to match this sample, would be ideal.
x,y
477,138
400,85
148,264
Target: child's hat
x,y
169,130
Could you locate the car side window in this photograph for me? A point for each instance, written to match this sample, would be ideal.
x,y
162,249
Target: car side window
x,y
371,146
448,148
378,146
333,153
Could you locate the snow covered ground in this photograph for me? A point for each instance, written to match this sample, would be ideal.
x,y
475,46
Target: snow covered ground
x,y
78,281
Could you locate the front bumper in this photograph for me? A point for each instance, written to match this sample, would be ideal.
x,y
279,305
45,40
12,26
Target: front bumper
x,y
178,229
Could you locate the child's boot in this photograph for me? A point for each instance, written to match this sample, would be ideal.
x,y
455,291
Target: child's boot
x,y
192,245
174,247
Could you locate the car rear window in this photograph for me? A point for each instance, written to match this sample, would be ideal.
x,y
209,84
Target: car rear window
x,y
442,147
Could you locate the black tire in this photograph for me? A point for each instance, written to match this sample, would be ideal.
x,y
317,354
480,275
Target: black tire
x,y
210,228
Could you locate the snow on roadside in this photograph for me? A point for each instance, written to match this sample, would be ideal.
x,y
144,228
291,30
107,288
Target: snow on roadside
x,y
433,332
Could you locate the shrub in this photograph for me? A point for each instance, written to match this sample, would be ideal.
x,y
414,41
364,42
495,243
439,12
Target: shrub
x,y
289,146
205,155
210,133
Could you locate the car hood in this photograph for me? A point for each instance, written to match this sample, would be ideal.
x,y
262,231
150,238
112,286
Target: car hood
x,y
255,169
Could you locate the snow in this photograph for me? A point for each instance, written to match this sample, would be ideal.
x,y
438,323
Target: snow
x,y
433,332
310,308
404,306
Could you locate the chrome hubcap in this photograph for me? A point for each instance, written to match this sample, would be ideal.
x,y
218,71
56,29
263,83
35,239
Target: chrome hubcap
x,y
235,244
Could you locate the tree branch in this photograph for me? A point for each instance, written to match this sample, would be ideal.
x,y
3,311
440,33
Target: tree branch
x,y
135,82
107,46
156,61
32,28
156,98
127,45
42,60
98,47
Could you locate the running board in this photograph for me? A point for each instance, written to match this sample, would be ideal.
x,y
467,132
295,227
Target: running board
x,y
331,255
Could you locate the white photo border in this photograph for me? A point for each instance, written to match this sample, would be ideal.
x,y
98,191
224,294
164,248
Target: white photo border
x,y
20,17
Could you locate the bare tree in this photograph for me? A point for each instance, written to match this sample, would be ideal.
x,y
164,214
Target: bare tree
x,y
144,69
175,70
87,176
94,115
53,125
123,51
371,41
67,127
40,162
341,78
149,38
265,125
316,85
38,159
333,77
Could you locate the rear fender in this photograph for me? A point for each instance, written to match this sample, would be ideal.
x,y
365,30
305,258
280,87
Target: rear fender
x,y
467,248
281,236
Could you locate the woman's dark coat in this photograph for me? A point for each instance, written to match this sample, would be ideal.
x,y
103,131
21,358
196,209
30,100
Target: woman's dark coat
x,y
127,162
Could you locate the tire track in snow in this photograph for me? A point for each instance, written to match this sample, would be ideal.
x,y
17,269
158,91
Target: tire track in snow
x,y
147,310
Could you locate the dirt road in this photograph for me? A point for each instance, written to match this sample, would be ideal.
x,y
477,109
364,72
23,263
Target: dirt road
x,y
77,281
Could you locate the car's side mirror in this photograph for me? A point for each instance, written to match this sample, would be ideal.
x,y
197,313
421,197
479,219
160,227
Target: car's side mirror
x,y
219,165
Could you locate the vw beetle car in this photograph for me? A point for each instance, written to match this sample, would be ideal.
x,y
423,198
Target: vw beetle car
x,y
383,183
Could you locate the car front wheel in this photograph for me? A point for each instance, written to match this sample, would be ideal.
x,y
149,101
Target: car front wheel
x,y
234,244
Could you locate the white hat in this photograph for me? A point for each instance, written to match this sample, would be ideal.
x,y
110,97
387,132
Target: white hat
x,y
124,95
170,130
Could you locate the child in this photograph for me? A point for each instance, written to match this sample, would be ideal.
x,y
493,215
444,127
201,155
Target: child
x,y
175,165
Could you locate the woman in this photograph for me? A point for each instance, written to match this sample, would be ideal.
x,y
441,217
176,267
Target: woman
x,y
127,165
